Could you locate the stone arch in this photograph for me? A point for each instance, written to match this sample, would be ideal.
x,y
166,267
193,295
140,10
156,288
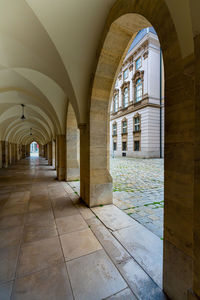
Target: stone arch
x,y
126,18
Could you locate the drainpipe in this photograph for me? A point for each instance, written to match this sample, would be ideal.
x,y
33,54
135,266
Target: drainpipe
x,y
160,103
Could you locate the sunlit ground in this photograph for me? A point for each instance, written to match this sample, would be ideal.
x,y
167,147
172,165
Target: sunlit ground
x,y
34,154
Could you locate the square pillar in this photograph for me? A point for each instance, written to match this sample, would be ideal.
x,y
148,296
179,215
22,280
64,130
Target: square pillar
x,y
1,165
72,164
84,164
61,157
50,153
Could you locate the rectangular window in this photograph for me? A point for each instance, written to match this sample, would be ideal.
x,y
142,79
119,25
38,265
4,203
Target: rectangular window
x,y
124,127
115,129
125,97
138,90
136,145
138,63
115,104
123,146
125,74
137,123
114,146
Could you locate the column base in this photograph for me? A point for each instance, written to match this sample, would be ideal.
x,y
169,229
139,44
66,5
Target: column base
x,y
101,188
61,174
73,174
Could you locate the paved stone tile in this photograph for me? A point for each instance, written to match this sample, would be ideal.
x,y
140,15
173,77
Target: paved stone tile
x,y
94,277
14,210
84,211
79,243
8,262
6,290
11,221
140,283
70,224
18,198
123,295
49,284
112,217
10,236
39,255
64,207
110,244
145,247
41,218
39,204
36,232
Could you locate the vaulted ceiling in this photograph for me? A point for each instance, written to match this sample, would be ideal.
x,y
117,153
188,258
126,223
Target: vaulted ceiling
x,y
47,58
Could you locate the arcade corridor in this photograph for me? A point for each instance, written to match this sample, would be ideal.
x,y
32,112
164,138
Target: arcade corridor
x,y
53,247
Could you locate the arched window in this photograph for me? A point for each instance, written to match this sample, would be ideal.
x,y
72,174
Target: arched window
x,y
138,90
125,97
115,104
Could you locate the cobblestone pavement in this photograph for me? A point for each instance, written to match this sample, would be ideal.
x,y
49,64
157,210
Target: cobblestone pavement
x,y
138,190
138,186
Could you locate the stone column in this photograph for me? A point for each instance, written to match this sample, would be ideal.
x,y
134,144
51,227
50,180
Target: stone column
x,y
179,183
6,155
72,165
50,153
84,164
196,223
16,152
100,178
28,150
23,151
1,164
13,153
54,153
44,151
41,150
9,154
61,156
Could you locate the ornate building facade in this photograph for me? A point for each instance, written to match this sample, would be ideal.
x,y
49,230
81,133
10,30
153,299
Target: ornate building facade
x,y
137,107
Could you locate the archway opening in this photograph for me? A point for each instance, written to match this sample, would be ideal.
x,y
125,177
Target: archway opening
x,y
137,147
137,132
34,149
133,104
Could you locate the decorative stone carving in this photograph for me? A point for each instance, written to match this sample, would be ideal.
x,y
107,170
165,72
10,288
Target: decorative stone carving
x,y
145,55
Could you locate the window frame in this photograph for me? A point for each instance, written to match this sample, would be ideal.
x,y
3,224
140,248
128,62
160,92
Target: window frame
x,y
125,72
115,102
123,145
138,89
136,61
114,124
125,104
137,125
124,127
114,148
136,148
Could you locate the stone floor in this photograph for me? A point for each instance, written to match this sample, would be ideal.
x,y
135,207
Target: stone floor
x,y
138,189
52,247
